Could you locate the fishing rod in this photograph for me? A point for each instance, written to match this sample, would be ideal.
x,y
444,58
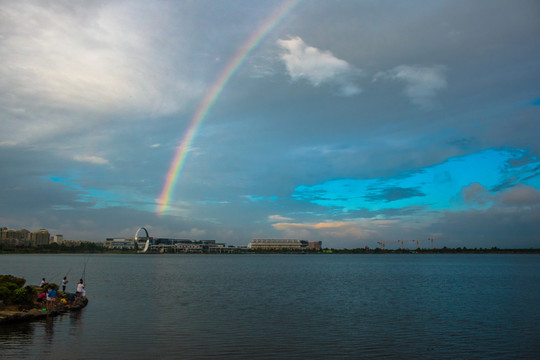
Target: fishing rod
x,y
84,269
52,278
64,284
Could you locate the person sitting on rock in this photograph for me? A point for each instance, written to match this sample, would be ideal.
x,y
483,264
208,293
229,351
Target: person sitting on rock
x,y
43,283
42,298
51,298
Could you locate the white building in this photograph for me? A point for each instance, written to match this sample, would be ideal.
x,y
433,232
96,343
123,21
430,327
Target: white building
x,y
128,244
278,244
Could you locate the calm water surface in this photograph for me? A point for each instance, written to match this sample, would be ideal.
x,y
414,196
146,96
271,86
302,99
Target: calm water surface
x,y
285,306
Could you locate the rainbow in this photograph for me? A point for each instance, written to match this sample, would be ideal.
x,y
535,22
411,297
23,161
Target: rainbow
x,y
213,93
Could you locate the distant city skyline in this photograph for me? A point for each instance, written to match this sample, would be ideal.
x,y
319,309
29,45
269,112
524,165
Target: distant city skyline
x,y
350,123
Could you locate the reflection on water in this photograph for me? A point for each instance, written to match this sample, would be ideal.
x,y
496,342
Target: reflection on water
x,y
49,329
16,339
75,325
289,306
15,332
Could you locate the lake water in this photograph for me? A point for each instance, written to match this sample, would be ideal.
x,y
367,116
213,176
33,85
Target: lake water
x,y
285,307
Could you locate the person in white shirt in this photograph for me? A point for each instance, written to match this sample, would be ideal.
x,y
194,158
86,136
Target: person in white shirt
x,y
80,288
64,283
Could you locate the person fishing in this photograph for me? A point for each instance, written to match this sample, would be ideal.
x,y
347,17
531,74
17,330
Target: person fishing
x,y
64,283
81,286
81,289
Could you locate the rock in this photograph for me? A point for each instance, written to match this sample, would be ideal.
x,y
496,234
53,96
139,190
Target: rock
x,y
9,316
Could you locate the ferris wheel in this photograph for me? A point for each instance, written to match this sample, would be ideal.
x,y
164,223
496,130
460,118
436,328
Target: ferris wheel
x,y
147,238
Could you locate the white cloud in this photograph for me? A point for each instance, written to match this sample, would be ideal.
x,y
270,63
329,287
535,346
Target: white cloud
x,y
66,66
337,229
278,218
422,83
91,159
521,196
317,67
475,194
349,90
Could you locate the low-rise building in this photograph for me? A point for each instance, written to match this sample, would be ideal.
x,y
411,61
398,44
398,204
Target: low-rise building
x,y
185,246
166,245
119,244
278,244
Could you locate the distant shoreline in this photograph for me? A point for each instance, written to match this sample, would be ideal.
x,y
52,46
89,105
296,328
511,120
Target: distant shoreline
x,y
326,251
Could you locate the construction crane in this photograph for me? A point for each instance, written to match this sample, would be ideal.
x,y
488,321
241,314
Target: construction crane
x,y
401,241
431,239
382,243
417,244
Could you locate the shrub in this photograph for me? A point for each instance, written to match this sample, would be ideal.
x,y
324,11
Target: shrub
x,y
5,294
51,286
24,296
11,286
12,279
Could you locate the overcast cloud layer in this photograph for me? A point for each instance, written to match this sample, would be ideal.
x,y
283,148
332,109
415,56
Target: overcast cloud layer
x,y
352,122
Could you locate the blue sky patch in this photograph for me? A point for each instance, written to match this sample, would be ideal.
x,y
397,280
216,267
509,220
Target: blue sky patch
x,y
101,199
438,187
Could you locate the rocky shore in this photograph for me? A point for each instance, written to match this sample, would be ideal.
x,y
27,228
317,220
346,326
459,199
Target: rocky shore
x,y
25,303
16,315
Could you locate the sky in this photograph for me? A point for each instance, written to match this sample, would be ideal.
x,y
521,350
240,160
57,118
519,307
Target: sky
x,y
347,122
